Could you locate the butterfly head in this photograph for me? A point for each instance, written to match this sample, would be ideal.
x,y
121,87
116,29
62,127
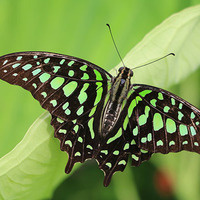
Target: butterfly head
x,y
125,72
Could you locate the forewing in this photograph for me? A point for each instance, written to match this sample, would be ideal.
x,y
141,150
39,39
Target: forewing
x,y
163,122
66,86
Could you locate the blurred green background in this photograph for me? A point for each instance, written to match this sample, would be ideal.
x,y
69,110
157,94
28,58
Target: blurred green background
x,y
78,28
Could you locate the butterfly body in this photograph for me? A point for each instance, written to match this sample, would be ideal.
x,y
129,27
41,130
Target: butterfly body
x,y
118,93
98,116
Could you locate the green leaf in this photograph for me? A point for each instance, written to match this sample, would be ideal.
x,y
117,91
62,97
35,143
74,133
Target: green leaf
x,y
35,166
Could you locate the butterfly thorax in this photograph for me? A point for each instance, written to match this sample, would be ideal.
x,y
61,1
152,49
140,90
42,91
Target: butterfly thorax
x,y
120,87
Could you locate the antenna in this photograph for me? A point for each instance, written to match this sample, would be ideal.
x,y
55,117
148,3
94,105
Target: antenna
x,y
155,60
115,44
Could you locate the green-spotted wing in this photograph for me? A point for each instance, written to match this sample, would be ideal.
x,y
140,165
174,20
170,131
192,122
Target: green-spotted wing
x,y
97,116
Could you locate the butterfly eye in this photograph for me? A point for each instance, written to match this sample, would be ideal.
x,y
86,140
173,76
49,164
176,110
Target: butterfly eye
x,y
120,69
131,73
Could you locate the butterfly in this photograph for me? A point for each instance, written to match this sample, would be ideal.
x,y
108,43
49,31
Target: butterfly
x,y
98,116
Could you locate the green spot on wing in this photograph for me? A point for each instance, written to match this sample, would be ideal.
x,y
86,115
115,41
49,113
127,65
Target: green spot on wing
x,y
62,61
126,146
131,107
122,162
160,96
135,157
67,112
44,77
135,131
26,67
89,147
143,151
16,65
34,85
62,131
192,115
166,109
143,118
109,165
44,94
193,131
77,154
116,136
183,129
138,98
36,71
185,142
76,128
82,97
90,124
171,143
56,68
173,101
153,102
170,125
71,63
19,58
180,106
80,111
71,73
98,75
159,143
99,93
157,121
116,152
104,152
145,92
125,123
70,88
60,120
53,102
83,68
180,115
92,111
85,77
25,79
57,82
68,142
46,60
133,142
65,105
196,144
149,137
144,140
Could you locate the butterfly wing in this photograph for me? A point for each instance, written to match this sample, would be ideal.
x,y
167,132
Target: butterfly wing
x,y
71,89
163,122
62,84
